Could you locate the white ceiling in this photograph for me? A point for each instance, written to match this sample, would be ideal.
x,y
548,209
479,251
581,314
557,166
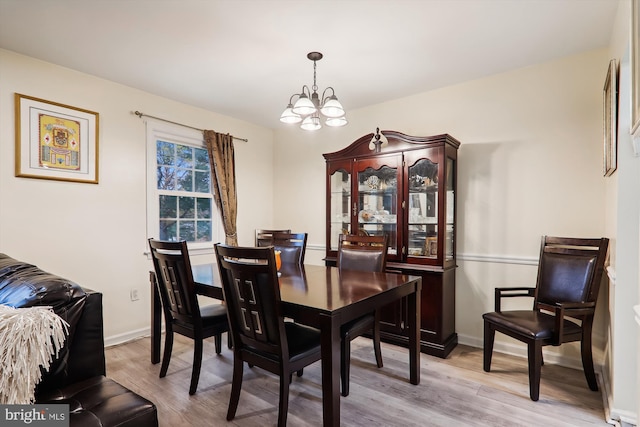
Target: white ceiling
x,y
245,58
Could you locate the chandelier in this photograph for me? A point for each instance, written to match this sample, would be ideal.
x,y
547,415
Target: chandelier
x,y
308,106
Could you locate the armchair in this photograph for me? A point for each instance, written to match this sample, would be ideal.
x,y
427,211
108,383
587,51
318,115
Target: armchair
x,y
564,301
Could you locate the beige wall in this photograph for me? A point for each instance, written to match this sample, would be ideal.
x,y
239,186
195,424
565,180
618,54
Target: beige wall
x,y
96,234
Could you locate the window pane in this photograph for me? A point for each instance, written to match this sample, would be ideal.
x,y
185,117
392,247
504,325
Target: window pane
x,y
203,233
184,156
185,180
203,182
168,207
168,230
187,230
202,158
187,207
184,168
203,210
165,153
166,178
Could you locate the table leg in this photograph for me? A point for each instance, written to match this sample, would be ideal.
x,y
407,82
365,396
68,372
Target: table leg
x,y
156,310
330,342
414,334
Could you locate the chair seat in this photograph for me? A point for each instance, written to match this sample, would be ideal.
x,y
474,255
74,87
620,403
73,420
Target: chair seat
x,y
357,326
212,316
301,339
531,324
213,313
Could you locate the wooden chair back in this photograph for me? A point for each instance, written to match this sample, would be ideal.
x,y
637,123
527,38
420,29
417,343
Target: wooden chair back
x,y
364,253
292,247
570,270
251,291
265,237
175,279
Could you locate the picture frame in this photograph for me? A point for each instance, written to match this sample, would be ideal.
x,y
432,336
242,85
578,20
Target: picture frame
x,y
610,120
55,141
635,67
431,246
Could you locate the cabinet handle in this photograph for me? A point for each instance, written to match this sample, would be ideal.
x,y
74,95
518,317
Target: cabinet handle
x,y
354,208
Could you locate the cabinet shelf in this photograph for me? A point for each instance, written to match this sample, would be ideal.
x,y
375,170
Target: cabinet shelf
x,y
378,192
425,189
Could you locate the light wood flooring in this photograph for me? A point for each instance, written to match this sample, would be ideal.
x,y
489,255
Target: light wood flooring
x,y
452,392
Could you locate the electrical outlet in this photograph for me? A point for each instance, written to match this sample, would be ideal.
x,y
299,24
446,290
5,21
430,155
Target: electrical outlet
x,y
134,295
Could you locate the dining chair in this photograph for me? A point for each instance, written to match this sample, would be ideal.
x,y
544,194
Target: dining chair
x,y
265,237
364,253
564,302
182,312
261,337
292,247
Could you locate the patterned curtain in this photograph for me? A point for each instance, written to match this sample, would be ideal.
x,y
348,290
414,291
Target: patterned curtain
x,y
223,176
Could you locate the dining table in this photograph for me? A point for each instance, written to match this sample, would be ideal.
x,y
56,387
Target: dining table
x,y
325,298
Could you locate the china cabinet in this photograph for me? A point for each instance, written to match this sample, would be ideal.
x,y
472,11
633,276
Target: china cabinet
x,y
403,186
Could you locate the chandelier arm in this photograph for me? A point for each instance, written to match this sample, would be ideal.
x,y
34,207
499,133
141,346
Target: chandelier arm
x,y
333,93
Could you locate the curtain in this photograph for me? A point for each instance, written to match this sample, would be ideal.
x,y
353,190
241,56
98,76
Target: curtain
x,y
223,181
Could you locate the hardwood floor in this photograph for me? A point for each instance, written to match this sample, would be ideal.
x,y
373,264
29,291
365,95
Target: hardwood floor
x,y
452,392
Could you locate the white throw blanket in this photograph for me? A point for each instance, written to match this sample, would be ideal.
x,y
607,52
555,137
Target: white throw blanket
x,y
29,337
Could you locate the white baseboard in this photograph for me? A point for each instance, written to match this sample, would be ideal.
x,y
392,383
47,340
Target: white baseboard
x,y
126,337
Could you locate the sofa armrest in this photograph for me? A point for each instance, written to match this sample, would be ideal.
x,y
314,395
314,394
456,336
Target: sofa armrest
x,y
87,358
83,356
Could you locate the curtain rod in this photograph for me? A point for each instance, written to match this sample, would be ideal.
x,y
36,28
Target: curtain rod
x,y
139,114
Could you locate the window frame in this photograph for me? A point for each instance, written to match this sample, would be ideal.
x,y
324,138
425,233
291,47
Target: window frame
x,y
178,135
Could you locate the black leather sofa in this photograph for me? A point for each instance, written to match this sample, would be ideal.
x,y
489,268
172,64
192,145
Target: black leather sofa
x,y
77,376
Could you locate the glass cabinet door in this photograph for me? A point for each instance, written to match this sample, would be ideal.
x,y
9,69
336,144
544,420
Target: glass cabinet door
x,y
340,220
377,201
423,209
450,214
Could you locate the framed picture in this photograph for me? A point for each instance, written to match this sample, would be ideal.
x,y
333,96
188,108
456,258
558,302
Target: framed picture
x,y
635,67
55,141
431,248
610,121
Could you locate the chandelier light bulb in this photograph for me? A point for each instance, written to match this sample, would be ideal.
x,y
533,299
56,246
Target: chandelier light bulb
x,y
336,121
332,107
288,116
311,123
304,106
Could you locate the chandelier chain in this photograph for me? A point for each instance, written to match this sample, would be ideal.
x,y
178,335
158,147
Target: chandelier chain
x,y
314,87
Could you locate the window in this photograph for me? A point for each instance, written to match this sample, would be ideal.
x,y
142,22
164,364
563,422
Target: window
x,y
179,199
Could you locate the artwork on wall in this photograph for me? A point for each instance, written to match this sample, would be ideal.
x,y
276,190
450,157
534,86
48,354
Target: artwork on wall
x,y
635,67
611,119
55,141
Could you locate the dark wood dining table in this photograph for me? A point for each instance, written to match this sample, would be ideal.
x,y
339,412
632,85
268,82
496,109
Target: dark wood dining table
x,y
325,298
